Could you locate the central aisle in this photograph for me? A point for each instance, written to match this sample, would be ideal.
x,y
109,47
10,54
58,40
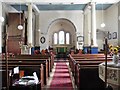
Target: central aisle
x,y
61,78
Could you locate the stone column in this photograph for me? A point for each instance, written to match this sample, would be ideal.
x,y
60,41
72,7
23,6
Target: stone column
x,y
87,30
0,37
93,25
1,43
94,46
29,27
38,31
0,28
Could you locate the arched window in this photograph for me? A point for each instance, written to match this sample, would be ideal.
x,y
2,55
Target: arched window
x,y
61,37
67,38
55,38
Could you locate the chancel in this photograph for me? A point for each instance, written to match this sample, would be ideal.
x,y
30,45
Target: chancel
x,y
60,44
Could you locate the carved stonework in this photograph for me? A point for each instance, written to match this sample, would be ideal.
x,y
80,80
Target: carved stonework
x,y
113,74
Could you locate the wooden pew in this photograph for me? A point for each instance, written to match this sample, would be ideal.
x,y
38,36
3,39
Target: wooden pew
x,y
84,68
87,56
30,69
49,58
52,60
87,78
94,57
4,81
33,57
29,62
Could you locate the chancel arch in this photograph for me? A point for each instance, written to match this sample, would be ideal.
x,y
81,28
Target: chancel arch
x,y
62,34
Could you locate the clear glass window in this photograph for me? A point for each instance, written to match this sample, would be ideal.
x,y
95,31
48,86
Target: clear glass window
x,y
61,37
67,38
55,38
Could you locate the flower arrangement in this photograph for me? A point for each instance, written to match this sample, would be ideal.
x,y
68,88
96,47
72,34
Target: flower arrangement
x,y
110,46
114,52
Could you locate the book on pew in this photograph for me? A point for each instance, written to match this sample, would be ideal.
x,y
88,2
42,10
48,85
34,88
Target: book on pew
x,y
16,70
27,80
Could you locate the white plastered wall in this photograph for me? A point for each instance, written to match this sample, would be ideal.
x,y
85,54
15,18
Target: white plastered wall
x,y
46,17
111,20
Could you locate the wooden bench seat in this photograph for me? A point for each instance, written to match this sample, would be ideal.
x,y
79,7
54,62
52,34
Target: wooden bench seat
x,y
85,71
89,55
25,62
48,57
35,68
14,62
31,61
92,61
87,78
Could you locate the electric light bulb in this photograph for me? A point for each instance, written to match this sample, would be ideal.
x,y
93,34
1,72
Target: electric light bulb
x,y
102,25
20,27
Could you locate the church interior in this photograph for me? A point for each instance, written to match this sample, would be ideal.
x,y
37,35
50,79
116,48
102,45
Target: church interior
x,y
59,44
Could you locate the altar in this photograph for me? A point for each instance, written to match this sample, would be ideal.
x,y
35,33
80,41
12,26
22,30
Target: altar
x,y
61,51
113,74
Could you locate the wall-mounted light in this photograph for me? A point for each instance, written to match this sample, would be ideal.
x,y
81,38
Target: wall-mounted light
x,y
20,26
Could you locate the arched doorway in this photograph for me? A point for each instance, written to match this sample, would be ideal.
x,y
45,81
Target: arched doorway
x,y
62,35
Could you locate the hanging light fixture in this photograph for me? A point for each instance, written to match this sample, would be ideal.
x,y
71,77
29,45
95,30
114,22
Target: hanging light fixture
x,y
20,26
102,24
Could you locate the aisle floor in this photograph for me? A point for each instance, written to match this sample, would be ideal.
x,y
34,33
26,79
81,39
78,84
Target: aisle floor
x,y
60,77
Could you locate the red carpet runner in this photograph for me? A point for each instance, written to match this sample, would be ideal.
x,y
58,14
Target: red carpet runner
x,y
61,79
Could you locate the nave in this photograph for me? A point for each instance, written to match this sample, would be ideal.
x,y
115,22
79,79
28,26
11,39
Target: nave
x,y
75,72
36,33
